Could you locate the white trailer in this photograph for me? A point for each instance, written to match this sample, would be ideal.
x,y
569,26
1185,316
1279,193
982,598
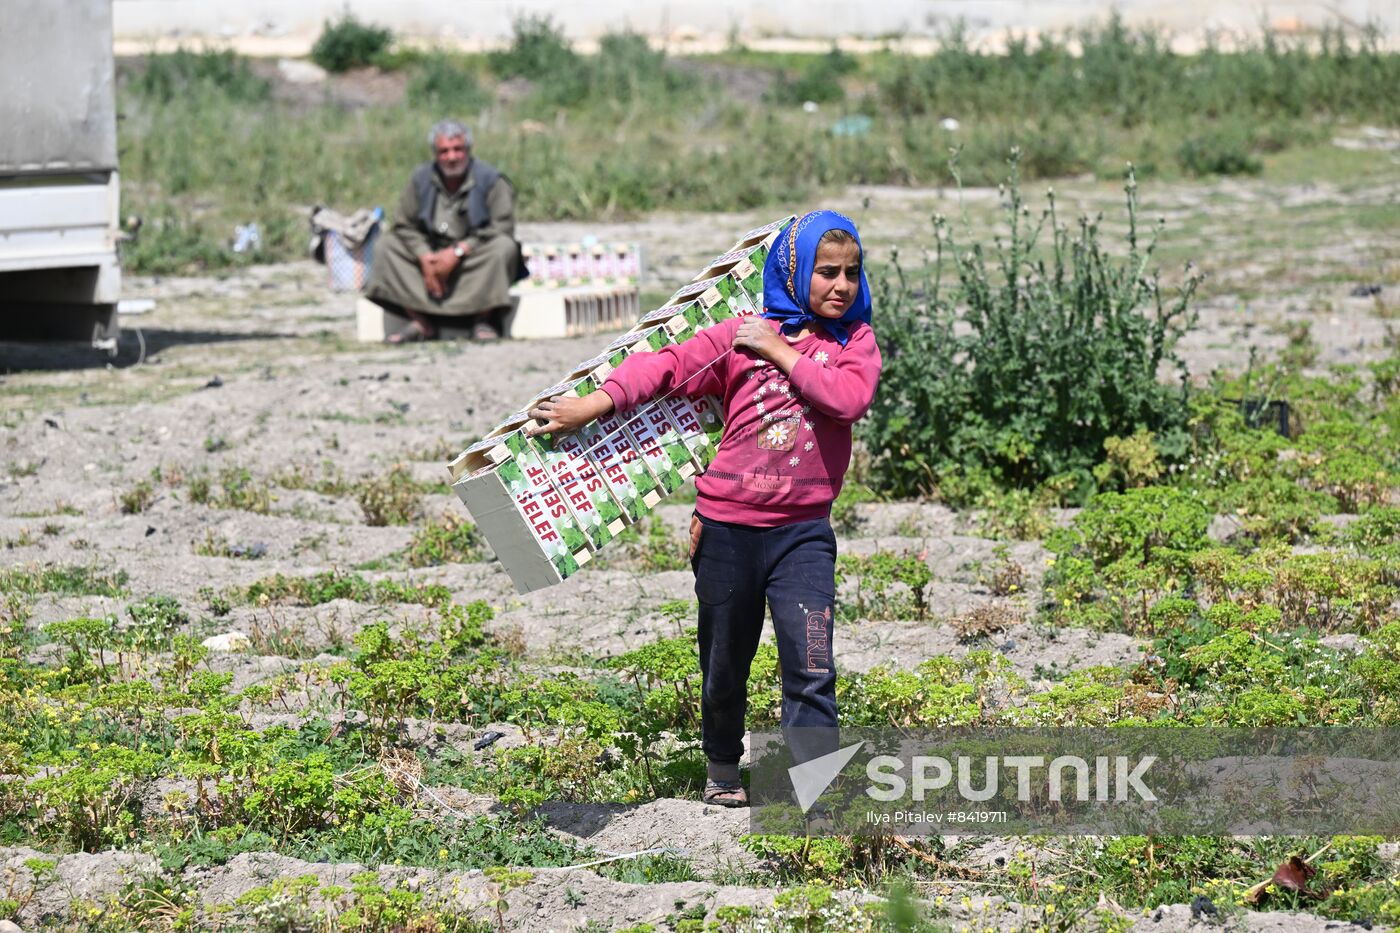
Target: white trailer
x,y
59,212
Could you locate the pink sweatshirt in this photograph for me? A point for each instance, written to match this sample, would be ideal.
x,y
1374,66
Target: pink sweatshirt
x,y
787,439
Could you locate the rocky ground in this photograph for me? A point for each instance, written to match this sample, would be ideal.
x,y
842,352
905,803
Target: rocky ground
x,y
259,371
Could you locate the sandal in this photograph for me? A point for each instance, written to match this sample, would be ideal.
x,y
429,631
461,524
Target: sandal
x,y
414,334
483,331
725,794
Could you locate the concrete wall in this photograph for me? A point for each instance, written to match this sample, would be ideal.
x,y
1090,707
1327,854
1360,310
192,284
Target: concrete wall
x,y
288,26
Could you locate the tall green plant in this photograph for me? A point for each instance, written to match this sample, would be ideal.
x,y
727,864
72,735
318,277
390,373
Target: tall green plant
x,y
1019,372
348,43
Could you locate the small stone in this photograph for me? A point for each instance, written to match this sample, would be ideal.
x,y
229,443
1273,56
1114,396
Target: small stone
x,y
228,641
7,926
488,739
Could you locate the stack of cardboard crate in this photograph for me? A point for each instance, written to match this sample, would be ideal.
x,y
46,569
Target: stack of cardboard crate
x,y
547,503
574,290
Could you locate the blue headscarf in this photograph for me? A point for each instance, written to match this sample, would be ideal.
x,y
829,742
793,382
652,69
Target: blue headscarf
x,y
787,276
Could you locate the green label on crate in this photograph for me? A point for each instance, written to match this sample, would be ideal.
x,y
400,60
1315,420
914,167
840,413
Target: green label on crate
x,y
646,426
687,419
586,494
615,436
558,509
611,464
533,509
710,410
733,297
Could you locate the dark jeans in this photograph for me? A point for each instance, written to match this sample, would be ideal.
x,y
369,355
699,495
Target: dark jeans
x,y
793,567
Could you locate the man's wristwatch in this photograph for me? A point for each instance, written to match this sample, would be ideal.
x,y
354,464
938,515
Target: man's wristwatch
x,y
458,251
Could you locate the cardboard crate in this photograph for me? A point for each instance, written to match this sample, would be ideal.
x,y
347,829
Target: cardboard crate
x,y
736,292
615,460
577,477
522,515
693,426
546,503
651,432
561,265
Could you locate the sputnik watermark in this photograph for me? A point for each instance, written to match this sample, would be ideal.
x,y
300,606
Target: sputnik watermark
x,y
932,773
1131,780
811,778
1107,779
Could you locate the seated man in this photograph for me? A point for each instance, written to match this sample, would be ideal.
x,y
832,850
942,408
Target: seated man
x,y
451,251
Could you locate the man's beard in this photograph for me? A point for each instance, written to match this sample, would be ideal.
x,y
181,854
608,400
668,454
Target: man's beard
x,y
454,176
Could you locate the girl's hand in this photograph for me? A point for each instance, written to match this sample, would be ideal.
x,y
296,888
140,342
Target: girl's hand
x,y
758,335
565,414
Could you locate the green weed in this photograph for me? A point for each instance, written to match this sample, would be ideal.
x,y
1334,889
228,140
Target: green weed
x,y
348,43
884,585
447,539
63,581
956,414
447,83
391,499
138,498
211,72
329,585
1219,151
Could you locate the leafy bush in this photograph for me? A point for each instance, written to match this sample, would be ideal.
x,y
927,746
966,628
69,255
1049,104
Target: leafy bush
x,y
997,394
1323,590
939,692
91,804
1131,461
1374,529
154,621
1221,151
627,68
1144,525
1123,553
348,43
540,52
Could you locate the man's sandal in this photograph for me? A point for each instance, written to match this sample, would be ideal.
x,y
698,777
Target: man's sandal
x,y
725,794
413,334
